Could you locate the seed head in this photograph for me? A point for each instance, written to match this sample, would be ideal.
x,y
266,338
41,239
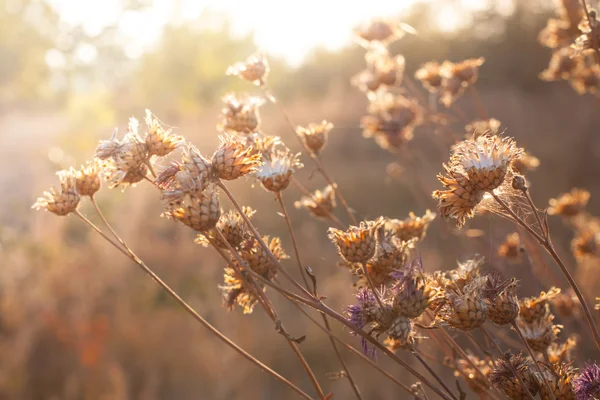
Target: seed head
x,y
586,80
414,292
501,299
87,179
412,227
240,115
115,178
235,291
364,311
320,204
255,69
569,204
391,254
563,64
557,33
358,243
430,76
587,383
539,334
233,159
590,33
382,70
233,228
465,309
560,379
536,308
315,135
460,198
561,352
60,202
504,379
276,172
566,304
200,210
511,249
258,259
158,141
378,31
192,175
401,330
586,244
525,162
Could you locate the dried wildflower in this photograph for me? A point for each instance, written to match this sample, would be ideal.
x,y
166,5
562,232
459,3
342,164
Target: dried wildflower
x,y
235,291
539,334
378,31
430,76
477,383
131,177
460,198
192,175
364,311
158,141
586,244
561,352
525,162
358,243
566,304
400,330
560,379
569,204
476,128
200,210
87,179
414,292
587,383
590,33
276,172
255,69
504,379
258,258
465,308
240,115
456,77
511,249
501,299
320,204
485,159
557,33
315,135
233,160
412,227
563,64
233,228
533,309
586,80
466,272
262,144
382,70
61,202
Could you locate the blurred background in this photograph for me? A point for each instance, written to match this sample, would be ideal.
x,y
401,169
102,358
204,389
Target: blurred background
x,y
78,321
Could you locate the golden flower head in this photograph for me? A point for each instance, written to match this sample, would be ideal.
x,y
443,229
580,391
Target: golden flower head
x,y
412,227
87,179
430,76
200,210
231,226
539,334
240,114
60,202
560,379
192,175
511,249
233,159
276,172
536,308
479,127
358,243
486,159
236,291
378,31
116,179
501,299
255,69
561,352
315,135
159,141
504,379
569,204
465,308
258,259
319,204
414,291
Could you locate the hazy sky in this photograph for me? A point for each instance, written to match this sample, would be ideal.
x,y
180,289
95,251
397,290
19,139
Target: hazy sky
x,y
286,28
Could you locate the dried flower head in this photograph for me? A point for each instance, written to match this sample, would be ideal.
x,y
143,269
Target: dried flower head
x,y
315,135
504,379
569,204
539,334
255,69
477,383
414,291
233,228
382,70
460,198
525,162
561,352
233,159
276,172
566,304
586,244
87,179
586,80
456,77
536,308
412,227
563,63
590,33
587,383
198,210
557,33
236,291
378,31
511,249
240,114
560,379
501,299
159,141
319,204
60,202
485,159
465,308
115,179
476,128
192,175
430,76
358,243
258,258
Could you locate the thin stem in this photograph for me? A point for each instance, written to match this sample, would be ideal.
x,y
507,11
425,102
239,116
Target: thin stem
x,y
193,312
372,285
593,33
279,197
261,241
514,370
286,216
110,228
546,243
292,343
532,355
545,232
432,372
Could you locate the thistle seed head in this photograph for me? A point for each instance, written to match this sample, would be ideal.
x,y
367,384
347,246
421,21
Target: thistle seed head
x,y
233,228
501,299
539,334
254,69
275,173
480,127
314,136
240,115
158,141
60,202
504,379
200,211
358,243
233,159
412,227
587,383
533,309
430,76
258,259
569,204
560,379
320,204
87,179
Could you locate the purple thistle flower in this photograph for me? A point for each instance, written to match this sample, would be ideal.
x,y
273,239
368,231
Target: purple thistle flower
x,y
359,315
587,383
